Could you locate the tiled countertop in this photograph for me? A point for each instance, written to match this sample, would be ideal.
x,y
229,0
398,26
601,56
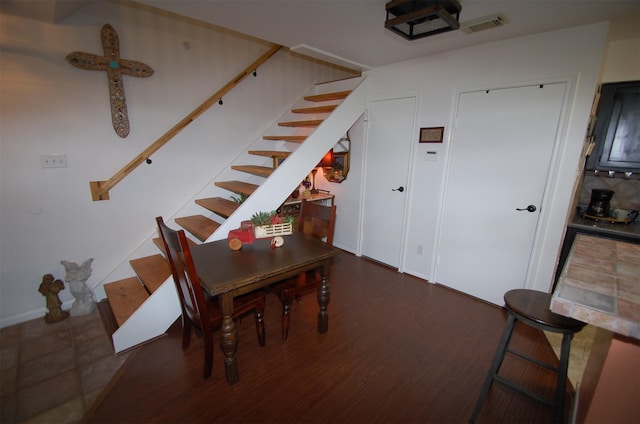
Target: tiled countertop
x,y
600,285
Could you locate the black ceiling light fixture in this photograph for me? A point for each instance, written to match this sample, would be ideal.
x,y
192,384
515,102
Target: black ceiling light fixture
x,y
413,19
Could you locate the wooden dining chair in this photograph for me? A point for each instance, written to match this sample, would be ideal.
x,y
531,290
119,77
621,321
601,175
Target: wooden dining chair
x,y
317,221
197,310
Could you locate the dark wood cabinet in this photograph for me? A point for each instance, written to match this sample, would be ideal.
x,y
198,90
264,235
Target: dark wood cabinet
x,y
617,129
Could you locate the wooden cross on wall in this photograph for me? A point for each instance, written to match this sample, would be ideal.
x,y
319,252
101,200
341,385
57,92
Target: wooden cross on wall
x,y
115,68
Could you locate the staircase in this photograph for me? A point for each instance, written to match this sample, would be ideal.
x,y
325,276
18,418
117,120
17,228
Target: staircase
x,y
142,307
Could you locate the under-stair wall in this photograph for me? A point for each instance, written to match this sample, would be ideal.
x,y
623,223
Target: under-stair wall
x,y
161,308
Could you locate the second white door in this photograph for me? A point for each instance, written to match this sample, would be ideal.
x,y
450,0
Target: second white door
x,y
391,129
502,148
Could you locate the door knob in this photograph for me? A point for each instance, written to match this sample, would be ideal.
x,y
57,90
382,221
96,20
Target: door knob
x,y
530,208
400,189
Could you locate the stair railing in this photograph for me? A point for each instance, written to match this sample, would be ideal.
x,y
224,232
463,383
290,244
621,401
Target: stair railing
x,y
100,189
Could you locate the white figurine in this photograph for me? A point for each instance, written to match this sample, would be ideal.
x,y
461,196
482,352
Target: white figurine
x,y
77,277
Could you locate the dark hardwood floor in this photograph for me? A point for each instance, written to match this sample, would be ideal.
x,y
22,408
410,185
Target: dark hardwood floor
x,y
398,350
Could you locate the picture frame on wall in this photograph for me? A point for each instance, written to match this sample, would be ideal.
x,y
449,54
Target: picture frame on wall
x,y
431,135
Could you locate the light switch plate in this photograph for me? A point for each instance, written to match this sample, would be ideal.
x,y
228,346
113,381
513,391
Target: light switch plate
x,y
53,161
431,156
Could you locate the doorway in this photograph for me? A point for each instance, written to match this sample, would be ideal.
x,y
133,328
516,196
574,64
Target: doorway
x,y
501,151
391,126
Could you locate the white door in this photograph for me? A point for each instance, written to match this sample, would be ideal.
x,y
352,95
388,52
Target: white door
x,y
501,151
387,161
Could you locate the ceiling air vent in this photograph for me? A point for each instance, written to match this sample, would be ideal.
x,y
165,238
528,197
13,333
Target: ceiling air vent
x,y
413,19
483,23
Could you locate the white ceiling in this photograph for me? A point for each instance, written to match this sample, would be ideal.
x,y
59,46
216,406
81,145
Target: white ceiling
x,y
353,30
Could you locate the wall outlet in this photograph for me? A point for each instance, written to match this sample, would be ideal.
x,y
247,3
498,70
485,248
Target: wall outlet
x,y
53,161
419,250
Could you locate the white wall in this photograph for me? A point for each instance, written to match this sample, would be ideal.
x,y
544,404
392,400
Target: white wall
x,y
48,106
622,61
572,55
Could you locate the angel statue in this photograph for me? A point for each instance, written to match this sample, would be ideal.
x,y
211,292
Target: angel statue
x,y
77,277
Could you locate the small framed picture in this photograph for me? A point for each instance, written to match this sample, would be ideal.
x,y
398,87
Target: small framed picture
x,y
431,135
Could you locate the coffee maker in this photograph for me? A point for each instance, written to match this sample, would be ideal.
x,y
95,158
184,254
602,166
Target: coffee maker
x,y
600,205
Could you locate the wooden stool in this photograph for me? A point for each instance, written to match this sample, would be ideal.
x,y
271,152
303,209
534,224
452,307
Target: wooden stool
x,y
532,308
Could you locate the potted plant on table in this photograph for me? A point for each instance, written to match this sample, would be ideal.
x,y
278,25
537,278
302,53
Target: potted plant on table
x,y
270,224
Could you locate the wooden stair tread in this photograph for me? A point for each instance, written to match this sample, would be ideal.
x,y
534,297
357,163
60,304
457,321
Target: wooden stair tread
x,y
307,123
125,296
219,205
158,242
339,95
293,138
152,271
200,226
239,187
315,109
270,153
260,171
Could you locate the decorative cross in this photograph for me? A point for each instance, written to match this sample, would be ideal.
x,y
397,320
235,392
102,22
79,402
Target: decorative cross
x,y
115,67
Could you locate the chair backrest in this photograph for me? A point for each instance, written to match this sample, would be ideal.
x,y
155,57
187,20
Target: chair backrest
x,y
317,220
184,274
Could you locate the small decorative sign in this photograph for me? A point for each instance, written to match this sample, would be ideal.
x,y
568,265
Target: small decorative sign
x,y
431,135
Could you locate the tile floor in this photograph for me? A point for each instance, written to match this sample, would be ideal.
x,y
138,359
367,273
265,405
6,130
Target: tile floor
x,y
52,373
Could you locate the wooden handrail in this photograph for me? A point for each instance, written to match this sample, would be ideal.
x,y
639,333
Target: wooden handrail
x,y
100,189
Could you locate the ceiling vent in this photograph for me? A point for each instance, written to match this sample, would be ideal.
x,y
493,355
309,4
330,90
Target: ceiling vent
x,y
413,19
480,24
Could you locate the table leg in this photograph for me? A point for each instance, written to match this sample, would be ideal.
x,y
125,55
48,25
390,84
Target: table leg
x,y
229,339
323,301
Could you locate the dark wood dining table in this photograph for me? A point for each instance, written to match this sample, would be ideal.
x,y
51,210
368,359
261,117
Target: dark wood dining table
x,y
229,273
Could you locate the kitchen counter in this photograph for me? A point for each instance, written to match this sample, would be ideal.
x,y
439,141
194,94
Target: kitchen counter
x,y
600,284
624,232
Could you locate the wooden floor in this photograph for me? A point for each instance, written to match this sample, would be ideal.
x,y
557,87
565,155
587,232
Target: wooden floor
x,y
398,350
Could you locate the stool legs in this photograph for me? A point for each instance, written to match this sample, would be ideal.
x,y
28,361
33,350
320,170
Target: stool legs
x,y
561,387
558,407
495,365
